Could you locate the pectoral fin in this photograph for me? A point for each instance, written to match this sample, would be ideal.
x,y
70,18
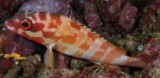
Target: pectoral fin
x,y
48,56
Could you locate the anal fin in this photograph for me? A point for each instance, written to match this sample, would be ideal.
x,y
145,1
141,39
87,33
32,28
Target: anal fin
x,y
49,56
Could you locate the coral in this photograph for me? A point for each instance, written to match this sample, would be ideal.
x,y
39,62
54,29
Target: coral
x,y
150,49
31,65
127,16
111,8
110,12
129,43
6,64
5,43
65,73
1,75
153,67
102,72
13,73
150,16
79,64
53,6
29,48
8,6
46,73
62,60
42,6
10,43
90,11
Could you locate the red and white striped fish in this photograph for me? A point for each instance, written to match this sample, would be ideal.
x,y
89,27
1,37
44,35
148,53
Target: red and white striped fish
x,y
68,37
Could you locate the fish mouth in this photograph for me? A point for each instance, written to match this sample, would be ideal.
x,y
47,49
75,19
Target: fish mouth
x,y
8,25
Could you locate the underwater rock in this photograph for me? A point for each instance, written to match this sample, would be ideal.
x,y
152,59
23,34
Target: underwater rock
x,y
150,47
28,49
152,70
6,46
79,64
91,16
61,61
127,17
6,64
109,11
40,5
31,66
53,6
13,73
149,22
22,46
10,43
8,6
149,51
65,73
102,72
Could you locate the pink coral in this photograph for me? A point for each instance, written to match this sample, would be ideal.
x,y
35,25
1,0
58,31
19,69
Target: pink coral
x,y
149,51
153,67
53,6
8,6
150,16
127,17
102,72
6,46
110,8
91,16
10,43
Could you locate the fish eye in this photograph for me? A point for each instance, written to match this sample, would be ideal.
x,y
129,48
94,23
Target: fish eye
x,y
26,24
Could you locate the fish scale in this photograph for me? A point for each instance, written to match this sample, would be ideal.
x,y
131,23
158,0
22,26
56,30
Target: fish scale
x,y
71,38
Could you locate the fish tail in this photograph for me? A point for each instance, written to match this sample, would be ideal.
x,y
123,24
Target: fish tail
x,y
117,56
129,61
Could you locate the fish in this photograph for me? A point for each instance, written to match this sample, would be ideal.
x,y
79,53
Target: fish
x,y
69,37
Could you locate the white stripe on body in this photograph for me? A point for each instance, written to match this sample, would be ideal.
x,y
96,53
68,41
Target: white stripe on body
x,y
106,53
92,49
120,60
72,48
